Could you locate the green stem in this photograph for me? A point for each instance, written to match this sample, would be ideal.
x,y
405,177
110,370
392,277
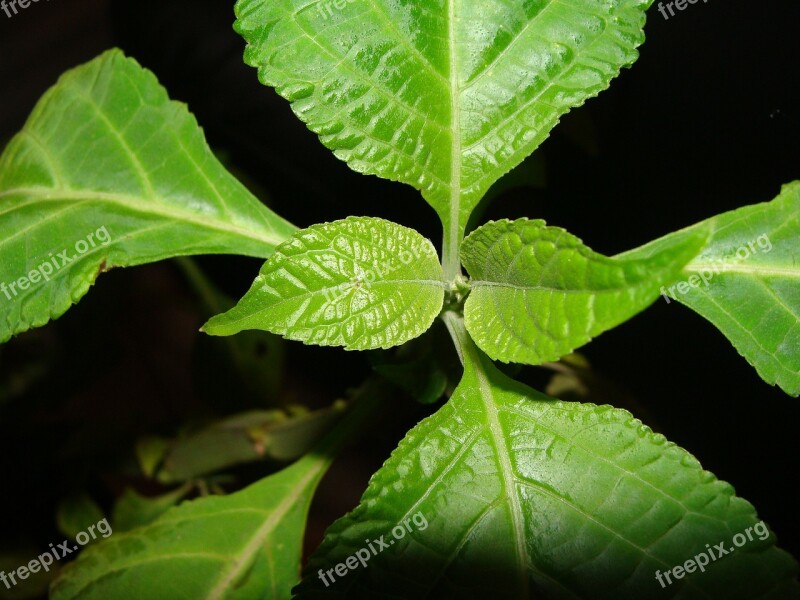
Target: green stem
x,y
451,261
455,325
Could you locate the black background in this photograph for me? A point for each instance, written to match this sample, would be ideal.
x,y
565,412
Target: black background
x,y
706,121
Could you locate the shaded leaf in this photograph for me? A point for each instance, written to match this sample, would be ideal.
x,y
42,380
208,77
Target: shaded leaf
x,y
134,510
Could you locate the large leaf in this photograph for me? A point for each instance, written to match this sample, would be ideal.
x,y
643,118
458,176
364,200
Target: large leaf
x,y
239,547
446,96
108,172
538,292
360,283
746,281
507,494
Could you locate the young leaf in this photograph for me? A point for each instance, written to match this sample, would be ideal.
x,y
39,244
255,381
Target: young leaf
x,y
538,292
108,172
746,281
446,96
238,547
507,494
360,283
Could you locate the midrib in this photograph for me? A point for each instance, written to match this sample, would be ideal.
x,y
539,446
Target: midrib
x,y
450,252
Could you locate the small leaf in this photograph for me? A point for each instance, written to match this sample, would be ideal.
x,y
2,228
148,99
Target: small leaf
x,y
108,172
507,494
133,510
538,292
444,96
361,283
77,513
746,281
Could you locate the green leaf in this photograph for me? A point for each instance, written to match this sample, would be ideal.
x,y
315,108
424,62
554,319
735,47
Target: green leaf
x,y
243,438
444,96
538,292
361,283
239,547
33,587
108,172
134,510
746,281
507,494
77,513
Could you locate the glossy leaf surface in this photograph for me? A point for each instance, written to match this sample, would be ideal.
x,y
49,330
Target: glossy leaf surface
x,y
361,283
507,494
446,96
538,292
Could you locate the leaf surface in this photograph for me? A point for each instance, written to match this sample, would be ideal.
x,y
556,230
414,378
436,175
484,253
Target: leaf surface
x,y
446,95
507,494
361,283
108,172
538,292
746,281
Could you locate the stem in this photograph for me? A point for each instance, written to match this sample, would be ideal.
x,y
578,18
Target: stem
x,y
458,331
451,261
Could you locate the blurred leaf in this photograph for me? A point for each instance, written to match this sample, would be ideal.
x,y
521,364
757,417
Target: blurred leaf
x,y
243,546
77,513
36,584
245,369
134,510
243,438
150,452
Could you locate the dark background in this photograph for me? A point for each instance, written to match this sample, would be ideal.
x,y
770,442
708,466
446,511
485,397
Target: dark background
x,y
706,121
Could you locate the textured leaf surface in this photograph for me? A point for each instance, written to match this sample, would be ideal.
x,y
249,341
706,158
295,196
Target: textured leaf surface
x,y
108,172
746,281
538,292
444,95
360,283
529,497
239,547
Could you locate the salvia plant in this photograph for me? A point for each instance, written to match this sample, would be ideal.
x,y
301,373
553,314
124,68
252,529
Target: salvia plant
x,y
503,492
